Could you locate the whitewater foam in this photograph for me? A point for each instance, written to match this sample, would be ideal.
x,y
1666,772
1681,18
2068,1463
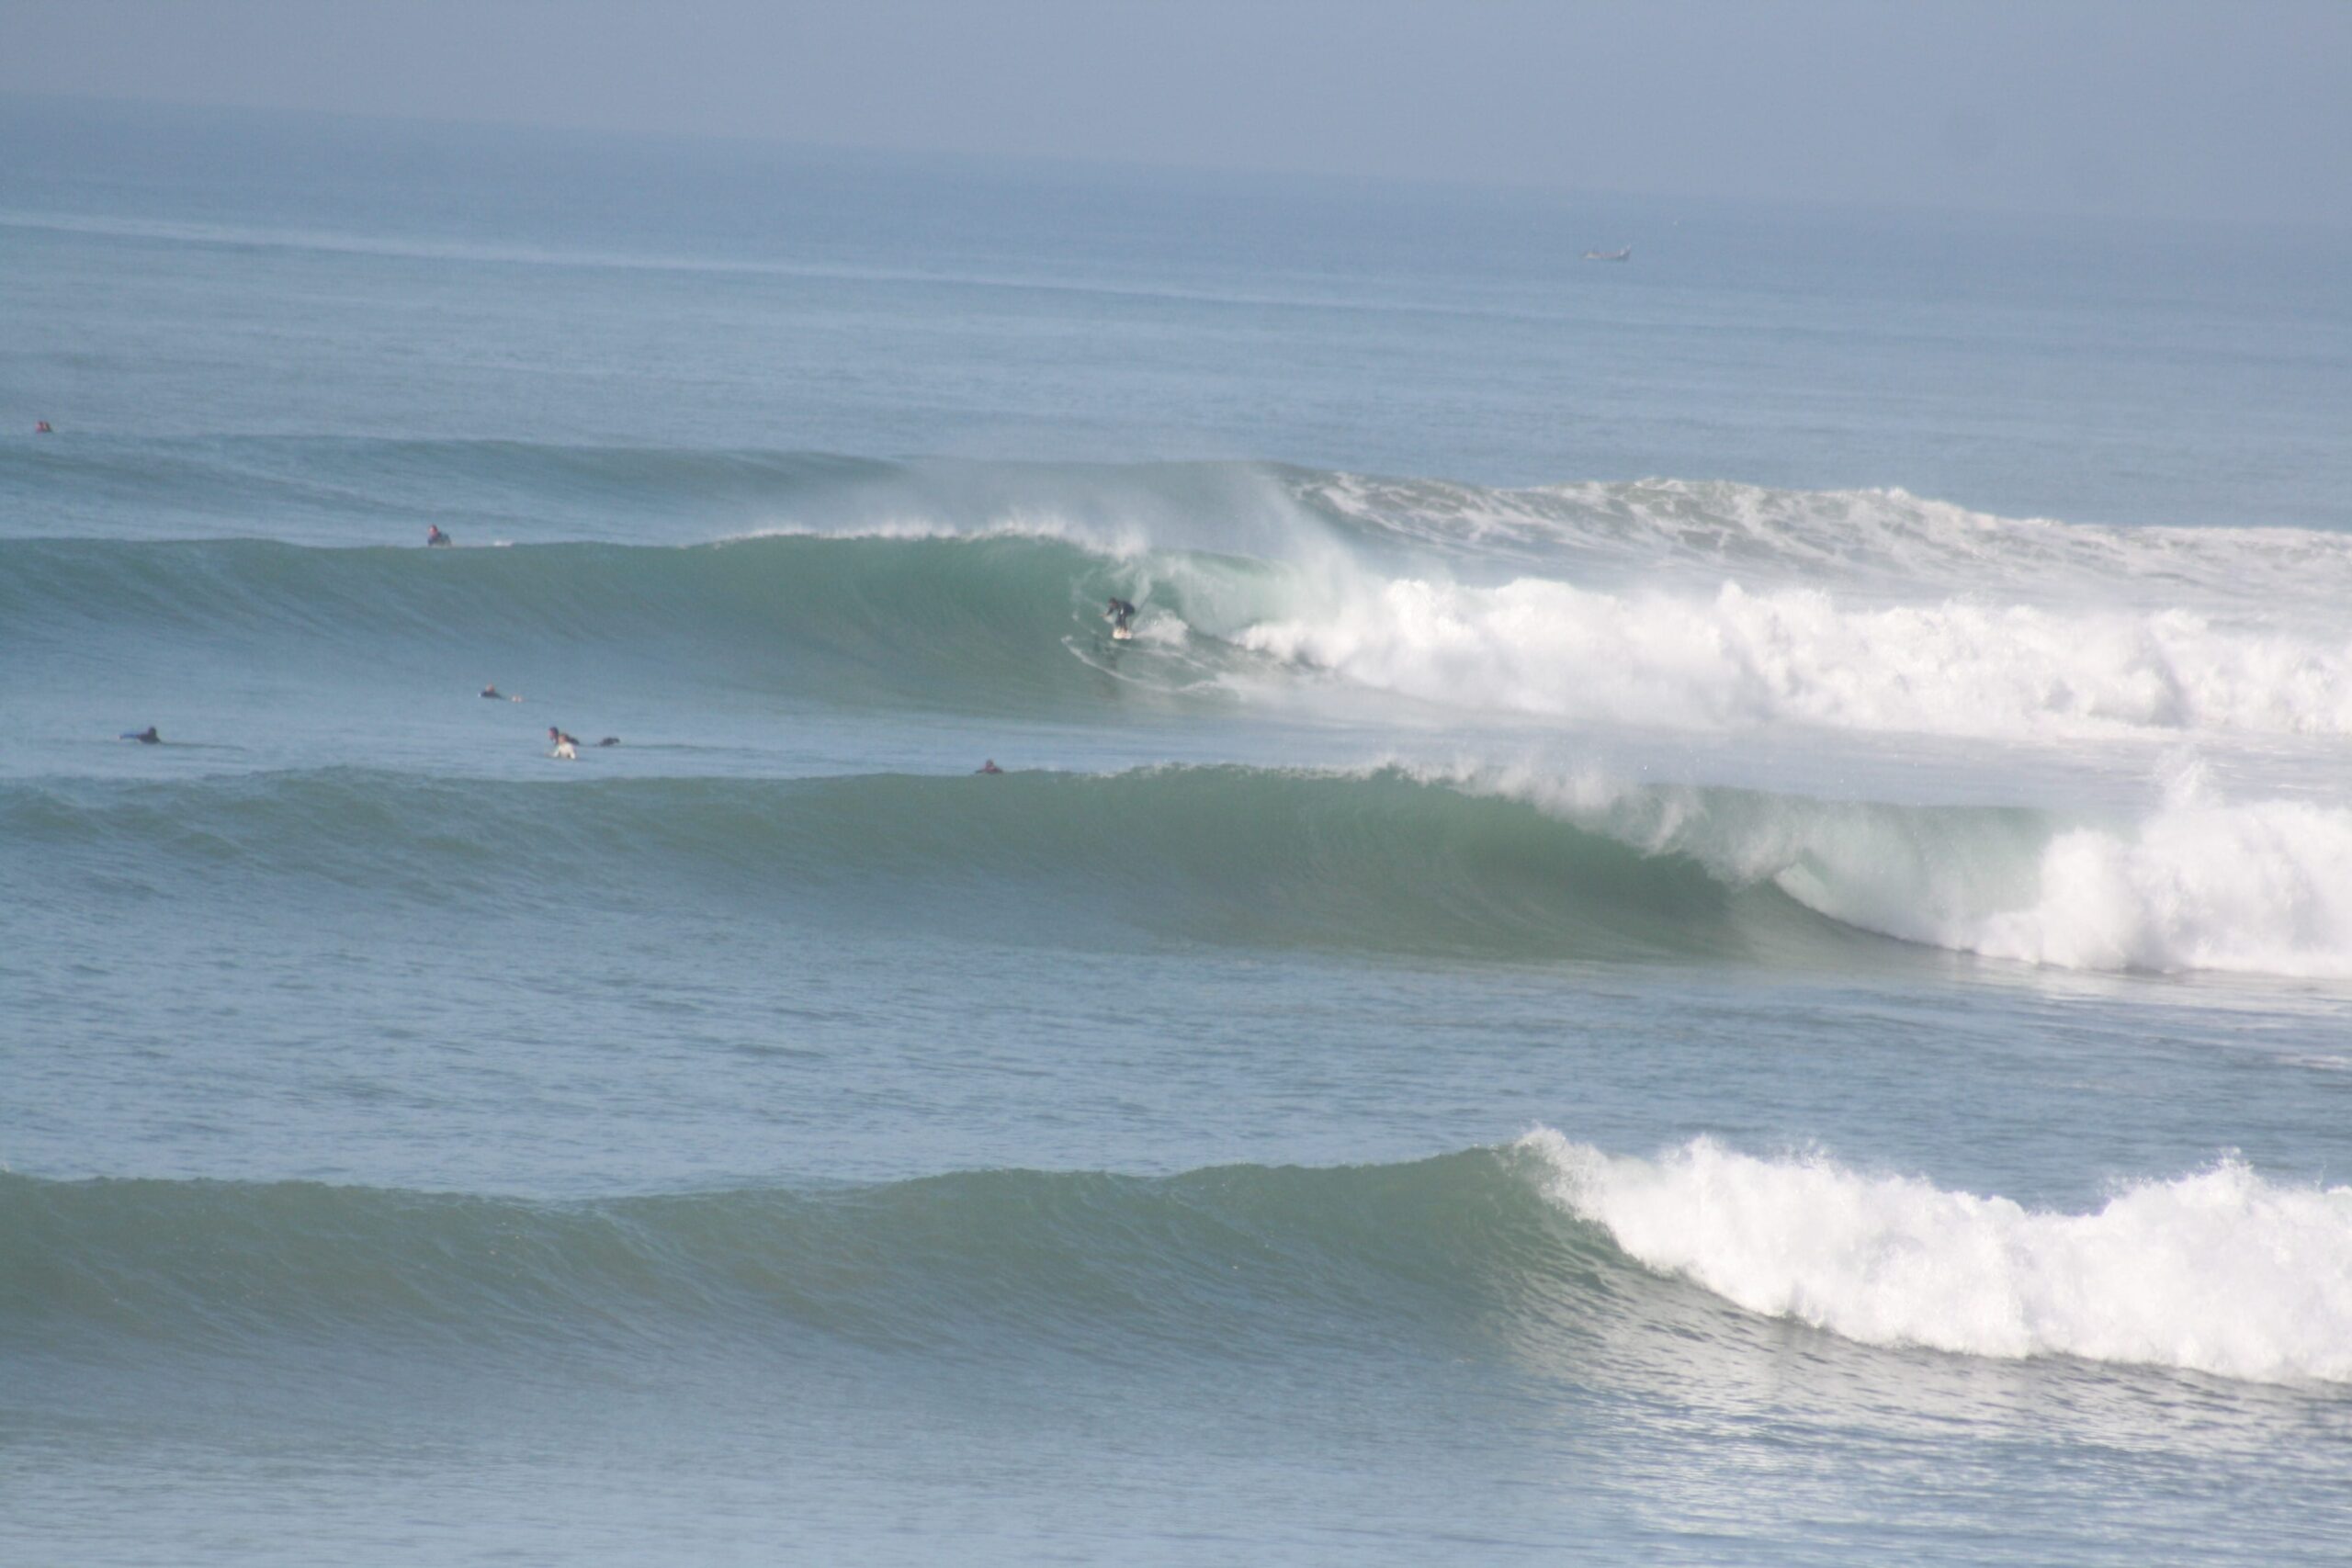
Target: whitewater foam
x,y
1741,659
2221,1271
2265,888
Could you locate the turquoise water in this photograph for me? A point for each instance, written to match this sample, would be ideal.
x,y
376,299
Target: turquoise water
x,y
1709,920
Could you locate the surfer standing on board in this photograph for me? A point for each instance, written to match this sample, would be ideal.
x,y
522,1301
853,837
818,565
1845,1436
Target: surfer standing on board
x,y
1121,614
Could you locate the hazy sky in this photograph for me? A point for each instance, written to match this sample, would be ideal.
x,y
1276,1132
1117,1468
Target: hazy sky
x,y
2222,110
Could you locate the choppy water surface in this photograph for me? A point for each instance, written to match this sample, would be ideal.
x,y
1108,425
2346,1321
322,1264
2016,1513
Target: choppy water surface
x,y
1709,920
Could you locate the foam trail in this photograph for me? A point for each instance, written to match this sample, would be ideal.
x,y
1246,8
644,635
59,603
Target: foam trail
x,y
2220,1272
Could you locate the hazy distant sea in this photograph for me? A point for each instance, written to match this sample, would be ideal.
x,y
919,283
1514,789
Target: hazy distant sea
x,y
1710,920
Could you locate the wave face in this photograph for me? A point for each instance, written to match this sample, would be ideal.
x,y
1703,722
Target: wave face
x,y
1505,862
985,624
1078,1261
2220,1272
1220,854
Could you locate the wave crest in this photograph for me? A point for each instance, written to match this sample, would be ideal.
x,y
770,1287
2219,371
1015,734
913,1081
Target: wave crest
x,y
2221,1271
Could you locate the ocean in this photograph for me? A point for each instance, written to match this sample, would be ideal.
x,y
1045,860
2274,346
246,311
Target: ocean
x,y
1707,921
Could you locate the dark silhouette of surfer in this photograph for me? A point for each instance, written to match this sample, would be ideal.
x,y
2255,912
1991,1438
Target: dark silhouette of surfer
x,y
1121,614
989,767
493,692
41,427
433,535
146,736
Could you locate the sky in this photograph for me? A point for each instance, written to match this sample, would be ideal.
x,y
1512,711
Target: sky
x,y
2232,112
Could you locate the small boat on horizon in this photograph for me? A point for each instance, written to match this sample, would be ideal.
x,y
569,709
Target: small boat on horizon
x,y
1608,255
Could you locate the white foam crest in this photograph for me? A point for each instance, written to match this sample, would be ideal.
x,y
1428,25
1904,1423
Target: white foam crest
x,y
1118,542
1235,509
1741,659
2221,1271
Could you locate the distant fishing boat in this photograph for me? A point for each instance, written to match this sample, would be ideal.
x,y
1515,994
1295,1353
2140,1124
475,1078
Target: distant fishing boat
x,y
1608,255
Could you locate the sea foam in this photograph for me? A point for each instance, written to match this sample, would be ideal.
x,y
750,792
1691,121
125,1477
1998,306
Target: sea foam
x,y
2221,1271
2263,887
1740,659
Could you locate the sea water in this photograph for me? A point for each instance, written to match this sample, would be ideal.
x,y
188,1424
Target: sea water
x,y
1710,919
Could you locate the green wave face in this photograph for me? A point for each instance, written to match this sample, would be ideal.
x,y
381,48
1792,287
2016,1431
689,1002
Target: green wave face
x,y
989,625
1209,1262
1229,855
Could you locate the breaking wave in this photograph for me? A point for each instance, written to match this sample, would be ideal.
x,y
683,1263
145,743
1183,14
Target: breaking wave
x,y
990,621
1507,862
1703,606
2221,1272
